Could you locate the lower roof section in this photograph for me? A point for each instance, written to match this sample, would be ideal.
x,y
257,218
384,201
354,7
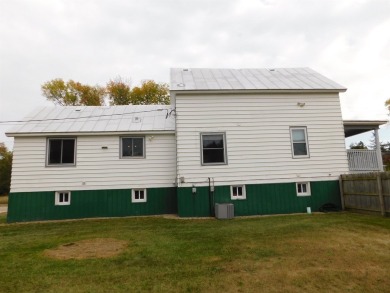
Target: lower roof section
x,y
70,120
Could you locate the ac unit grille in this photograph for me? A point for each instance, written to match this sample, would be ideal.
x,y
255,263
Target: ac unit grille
x,y
224,210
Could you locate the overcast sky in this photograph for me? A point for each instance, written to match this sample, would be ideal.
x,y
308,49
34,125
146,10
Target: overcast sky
x,y
94,41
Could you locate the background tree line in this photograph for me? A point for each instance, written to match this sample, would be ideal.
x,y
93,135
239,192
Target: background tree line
x,y
5,169
115,92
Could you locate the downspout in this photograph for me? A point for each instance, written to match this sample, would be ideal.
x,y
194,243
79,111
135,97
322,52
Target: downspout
x,y
210,211
211,197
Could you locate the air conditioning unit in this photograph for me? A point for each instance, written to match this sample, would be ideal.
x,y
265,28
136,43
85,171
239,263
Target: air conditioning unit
x,y
224,210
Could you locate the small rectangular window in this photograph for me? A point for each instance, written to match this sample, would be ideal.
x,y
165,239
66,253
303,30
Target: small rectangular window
x,y
132,147
237,192
213,149
303,188
138,195
62,198
61,151
299,143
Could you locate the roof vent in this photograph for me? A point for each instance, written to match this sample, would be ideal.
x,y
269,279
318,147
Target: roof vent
x,y
186,69
136,119
271,69
181,84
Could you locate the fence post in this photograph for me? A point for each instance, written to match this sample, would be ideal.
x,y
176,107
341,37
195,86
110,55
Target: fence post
x,y
380,194
341,192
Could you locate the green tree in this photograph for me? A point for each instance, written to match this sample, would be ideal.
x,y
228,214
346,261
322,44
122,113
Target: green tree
x,y
358,146
73,93
5,169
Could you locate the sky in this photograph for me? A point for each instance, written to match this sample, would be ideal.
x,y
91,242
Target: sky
x,y
95,41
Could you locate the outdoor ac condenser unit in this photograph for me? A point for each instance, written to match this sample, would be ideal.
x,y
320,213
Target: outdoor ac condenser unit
x,y
224,210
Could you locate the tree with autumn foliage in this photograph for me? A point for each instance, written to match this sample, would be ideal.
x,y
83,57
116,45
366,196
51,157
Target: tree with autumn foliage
x,y
387,104
150,93
73,93
117,92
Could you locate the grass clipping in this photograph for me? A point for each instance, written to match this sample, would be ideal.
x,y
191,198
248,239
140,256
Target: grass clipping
x,y
89,248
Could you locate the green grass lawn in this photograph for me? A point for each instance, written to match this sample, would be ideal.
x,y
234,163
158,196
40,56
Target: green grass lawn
x,y
299,253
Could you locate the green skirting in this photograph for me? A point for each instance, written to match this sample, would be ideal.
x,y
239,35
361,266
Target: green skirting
x,y
34,206
261,199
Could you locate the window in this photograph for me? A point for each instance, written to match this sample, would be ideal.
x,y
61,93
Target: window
x,y
213,149
132,147
299,142
237,192
62,198
138,195
303,189
61,151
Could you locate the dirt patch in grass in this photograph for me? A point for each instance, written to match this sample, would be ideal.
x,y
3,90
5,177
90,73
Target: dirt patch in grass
x,y
89,248
3,200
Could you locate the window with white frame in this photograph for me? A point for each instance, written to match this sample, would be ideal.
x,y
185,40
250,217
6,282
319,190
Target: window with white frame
x,y
138,195
299,143
303,188
132,147
237,192
62,198
61,151
213,149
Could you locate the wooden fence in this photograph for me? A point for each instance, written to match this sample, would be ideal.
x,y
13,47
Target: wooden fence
x,y
366,192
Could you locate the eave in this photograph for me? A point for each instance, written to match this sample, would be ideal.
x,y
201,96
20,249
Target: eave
x,y
257,91
45,134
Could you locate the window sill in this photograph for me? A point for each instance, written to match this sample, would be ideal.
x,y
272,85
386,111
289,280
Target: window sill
x,y
60,165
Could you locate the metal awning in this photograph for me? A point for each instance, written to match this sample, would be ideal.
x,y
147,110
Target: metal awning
x,y
354,127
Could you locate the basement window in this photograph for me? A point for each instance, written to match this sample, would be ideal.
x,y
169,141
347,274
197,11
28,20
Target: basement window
x,y
62,198
132,147
237,192
138,195
303,188
61,151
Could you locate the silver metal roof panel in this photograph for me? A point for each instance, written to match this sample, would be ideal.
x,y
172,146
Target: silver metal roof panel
x,y
184,79
74,119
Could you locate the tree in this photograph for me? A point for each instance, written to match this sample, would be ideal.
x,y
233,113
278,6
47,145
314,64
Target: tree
x,y
149,93
72,93
5,169
385,146
119,92
358,146
387,104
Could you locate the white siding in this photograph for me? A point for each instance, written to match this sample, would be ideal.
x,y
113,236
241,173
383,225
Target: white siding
x,y
96,168
258,137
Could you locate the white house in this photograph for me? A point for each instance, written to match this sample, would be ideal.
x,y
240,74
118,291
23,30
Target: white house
x,y
76,162
266,140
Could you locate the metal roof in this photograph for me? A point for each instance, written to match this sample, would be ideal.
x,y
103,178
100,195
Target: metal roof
x,y
192,79
91,119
